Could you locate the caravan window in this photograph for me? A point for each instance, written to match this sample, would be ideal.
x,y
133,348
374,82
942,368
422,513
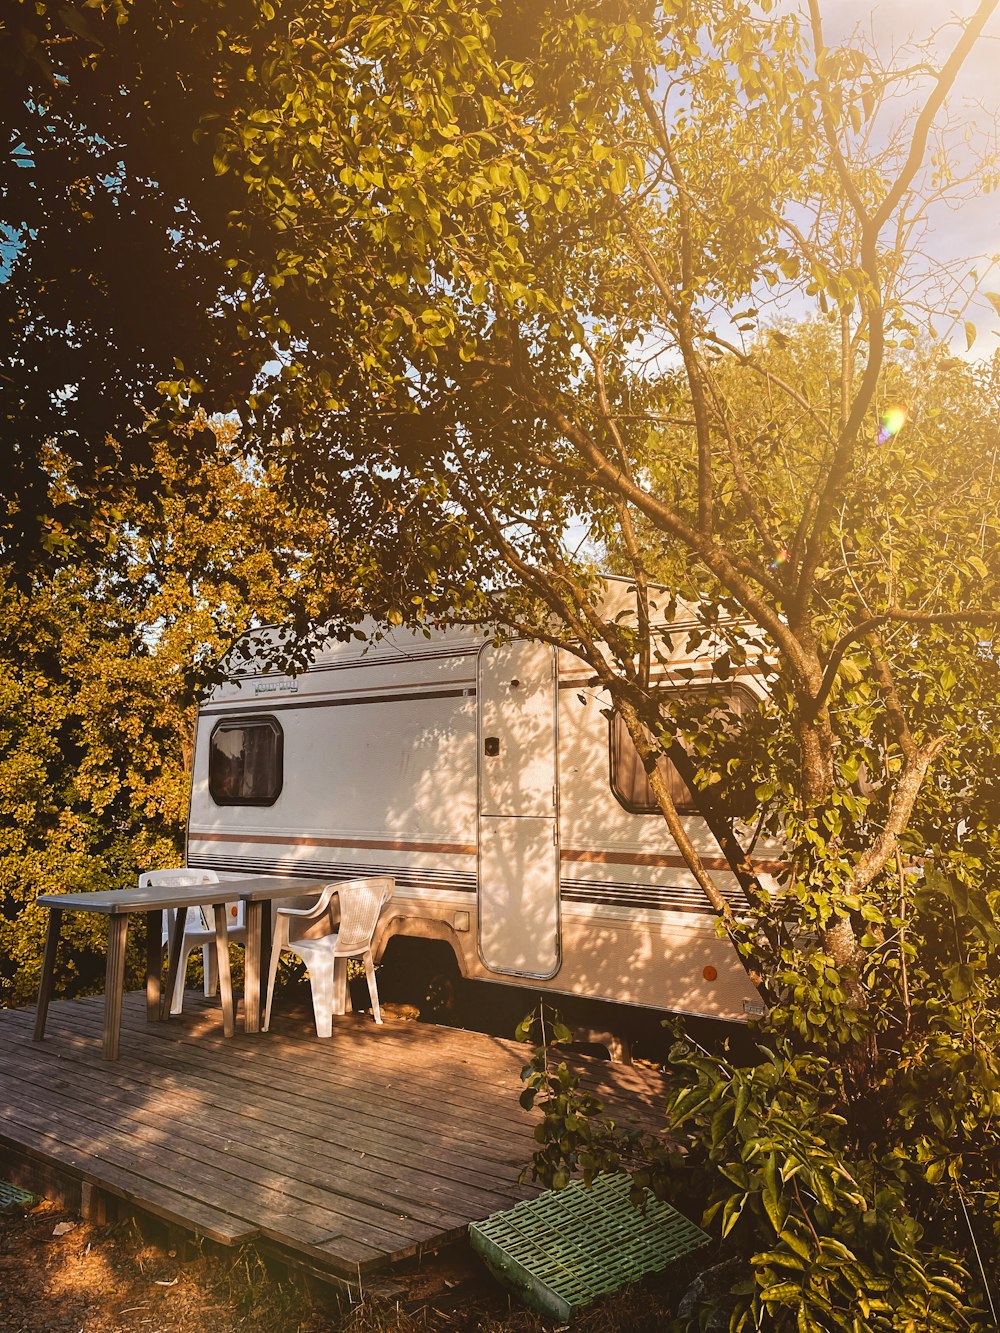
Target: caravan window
x,y
245,761
629,782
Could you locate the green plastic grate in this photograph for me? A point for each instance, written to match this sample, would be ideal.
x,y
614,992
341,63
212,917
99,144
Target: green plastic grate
x,y
12,1197
563,1249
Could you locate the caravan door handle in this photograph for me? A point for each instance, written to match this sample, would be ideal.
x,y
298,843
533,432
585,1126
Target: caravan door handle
x,y
491,746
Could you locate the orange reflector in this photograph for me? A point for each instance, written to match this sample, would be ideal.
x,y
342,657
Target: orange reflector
x,y
709,973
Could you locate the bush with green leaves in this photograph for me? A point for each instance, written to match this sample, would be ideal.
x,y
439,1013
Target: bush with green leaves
x,y
853,1165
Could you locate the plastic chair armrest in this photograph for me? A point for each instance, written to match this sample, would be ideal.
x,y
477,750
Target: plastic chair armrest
x,y
317,909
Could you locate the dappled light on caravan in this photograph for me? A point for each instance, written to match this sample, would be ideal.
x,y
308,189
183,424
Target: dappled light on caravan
x,y
485,780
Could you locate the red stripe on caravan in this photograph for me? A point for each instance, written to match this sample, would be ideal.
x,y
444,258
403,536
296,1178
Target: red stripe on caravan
x,y
377,844
652,859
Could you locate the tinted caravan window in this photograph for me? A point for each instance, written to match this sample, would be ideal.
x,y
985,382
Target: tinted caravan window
x,y
629,782
245,761
628,777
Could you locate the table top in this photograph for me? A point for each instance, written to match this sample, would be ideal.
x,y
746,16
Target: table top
x,y
159,897
263,888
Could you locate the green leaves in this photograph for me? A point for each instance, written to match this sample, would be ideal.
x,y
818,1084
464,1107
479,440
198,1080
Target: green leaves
x,y
571,1133
961,979
618,178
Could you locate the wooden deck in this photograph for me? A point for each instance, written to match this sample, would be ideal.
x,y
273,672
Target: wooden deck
x,y
347,1155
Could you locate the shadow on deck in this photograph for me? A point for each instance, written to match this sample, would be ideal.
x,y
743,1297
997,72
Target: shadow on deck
x,y
346,1155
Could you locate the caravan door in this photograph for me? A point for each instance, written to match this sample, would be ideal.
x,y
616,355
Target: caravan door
x,y
518,809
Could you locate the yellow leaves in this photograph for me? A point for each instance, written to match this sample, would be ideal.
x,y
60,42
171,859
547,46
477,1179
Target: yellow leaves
x,y
618,179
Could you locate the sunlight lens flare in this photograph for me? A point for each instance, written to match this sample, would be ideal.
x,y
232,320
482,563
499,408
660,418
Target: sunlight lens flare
x,y
893,421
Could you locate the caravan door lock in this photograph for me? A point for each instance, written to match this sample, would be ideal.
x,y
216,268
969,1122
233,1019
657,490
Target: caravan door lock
x,y
491,746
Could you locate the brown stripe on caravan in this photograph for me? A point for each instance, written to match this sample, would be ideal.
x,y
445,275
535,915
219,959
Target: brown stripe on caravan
x,y
335,699
652,859
377,844
698,677
591,854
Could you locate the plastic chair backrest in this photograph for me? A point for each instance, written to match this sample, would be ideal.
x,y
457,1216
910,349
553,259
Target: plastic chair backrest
x,y
180,878
361,901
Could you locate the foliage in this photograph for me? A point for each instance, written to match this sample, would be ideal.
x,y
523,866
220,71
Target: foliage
x,y
572,1133
839,1228
112,279
510,252
102,662
546,278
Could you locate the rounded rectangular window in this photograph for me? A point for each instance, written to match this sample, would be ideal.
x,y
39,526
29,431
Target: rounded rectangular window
x,y
628,779
630,783
245,761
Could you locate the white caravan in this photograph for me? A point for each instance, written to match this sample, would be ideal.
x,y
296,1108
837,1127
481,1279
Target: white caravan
x,y
514,818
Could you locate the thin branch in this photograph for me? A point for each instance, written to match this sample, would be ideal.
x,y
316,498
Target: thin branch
x,y
649,755
829,125
680,305
871,226
731,570
898,615
871,864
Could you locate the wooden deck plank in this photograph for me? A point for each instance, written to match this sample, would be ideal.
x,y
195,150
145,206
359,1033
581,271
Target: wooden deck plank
x,y
418,1193
233,1174
411,1051
229,1173
635,1090
148,1169
438,1054
191,1122
116,1174
397,1135
416,1115
350,1153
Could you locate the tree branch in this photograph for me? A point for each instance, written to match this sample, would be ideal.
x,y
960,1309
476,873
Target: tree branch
x,y
680,304
901,807
900,615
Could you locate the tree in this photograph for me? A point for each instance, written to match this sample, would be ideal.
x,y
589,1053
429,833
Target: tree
x,y
112,278
543,280
103,661
505,247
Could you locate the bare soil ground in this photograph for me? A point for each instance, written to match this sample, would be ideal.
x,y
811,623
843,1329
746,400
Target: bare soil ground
x,y
60,1273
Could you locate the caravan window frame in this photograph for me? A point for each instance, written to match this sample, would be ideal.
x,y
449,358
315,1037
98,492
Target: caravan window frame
x,y
277,769
685,799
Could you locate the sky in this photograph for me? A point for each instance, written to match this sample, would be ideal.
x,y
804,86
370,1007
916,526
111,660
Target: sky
x,y
974,230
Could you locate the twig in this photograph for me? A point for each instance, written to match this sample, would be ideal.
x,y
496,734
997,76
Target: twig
x,y
979,1258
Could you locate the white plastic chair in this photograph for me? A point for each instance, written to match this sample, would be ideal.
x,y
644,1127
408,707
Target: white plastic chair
x,y
361,902
200,933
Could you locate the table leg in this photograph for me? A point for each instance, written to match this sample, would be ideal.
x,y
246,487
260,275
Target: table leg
x,y
176,945
114,984
48,971
254,969
225,980
266,939
154,964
